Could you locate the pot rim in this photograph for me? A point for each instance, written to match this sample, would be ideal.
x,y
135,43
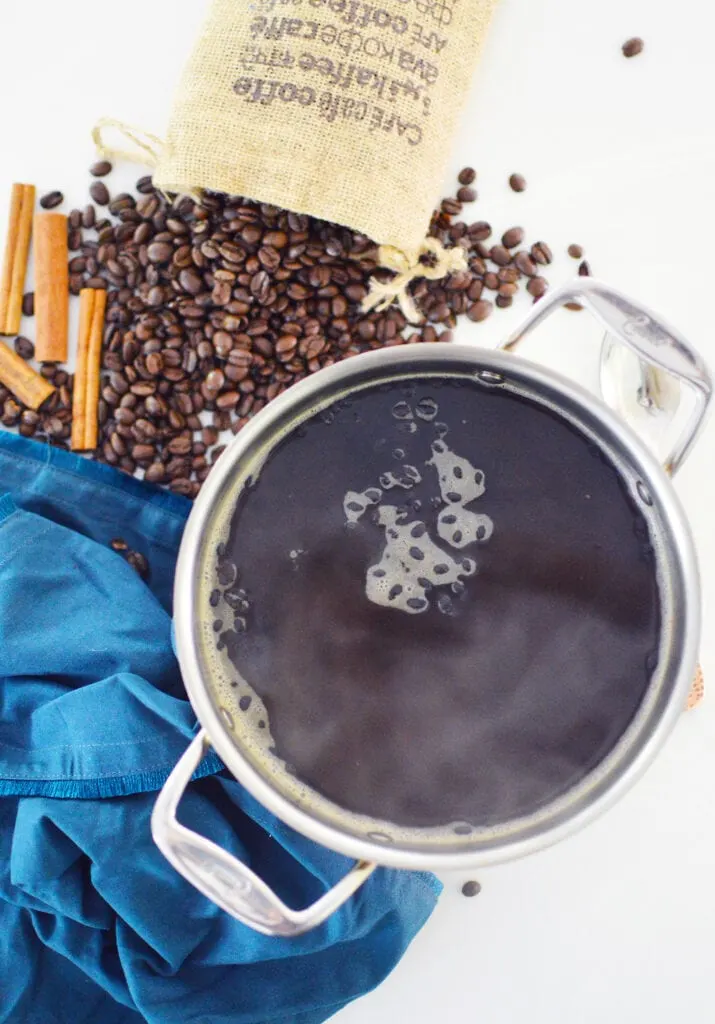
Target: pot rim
x,y
605,789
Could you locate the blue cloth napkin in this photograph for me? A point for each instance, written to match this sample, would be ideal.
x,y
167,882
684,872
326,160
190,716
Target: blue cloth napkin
x,y
95,925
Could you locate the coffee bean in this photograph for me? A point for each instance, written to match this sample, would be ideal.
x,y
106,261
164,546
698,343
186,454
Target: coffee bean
x,y
541,253
525,264
536,287
99,193
159,252
500,255
480,310
191,282
517,182
100,169
24,347
28,304
584,270
466,176
466,195
139,563
575,251
575,307
471,889
145,184
632,47
50,200
513,237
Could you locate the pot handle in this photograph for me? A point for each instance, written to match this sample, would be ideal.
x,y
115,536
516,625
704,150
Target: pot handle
x,y
644,333
224,879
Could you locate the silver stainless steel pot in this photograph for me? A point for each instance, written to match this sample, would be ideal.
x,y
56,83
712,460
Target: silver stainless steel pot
x,y
239,890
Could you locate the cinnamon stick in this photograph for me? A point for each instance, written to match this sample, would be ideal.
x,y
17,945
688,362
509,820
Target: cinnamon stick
x,y
85,401
22,380
17,247
51,287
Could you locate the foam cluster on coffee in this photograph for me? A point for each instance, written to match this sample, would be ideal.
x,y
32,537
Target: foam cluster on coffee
x,y
413,566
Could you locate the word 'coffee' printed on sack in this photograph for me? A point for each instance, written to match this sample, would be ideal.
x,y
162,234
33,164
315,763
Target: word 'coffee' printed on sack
x,y
330,107
348,40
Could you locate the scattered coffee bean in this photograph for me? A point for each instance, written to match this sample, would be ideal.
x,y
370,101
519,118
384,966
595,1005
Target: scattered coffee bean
x,y
517,182
584,270
471,889
537,287
119,545
24,347
575,307
541,253
466,176
99,193
28,304
50,200
466,195
139,563
632,47
575,251
100,169
513,237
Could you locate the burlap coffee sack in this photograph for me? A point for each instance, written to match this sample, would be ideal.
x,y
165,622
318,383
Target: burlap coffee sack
x,y
341,109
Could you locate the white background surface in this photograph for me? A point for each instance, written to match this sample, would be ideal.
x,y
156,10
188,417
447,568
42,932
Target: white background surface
x,y
618,923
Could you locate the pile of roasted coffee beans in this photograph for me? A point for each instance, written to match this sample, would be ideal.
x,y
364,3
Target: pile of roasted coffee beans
x,y
215,308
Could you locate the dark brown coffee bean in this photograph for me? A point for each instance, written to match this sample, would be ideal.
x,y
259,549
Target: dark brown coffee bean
x,y
222,343
286,346
24,347
155,473
575,251
159,252
584,269
525,264
513,237
191,281
138,563
180,445
50,200
28,304
500,255
517,182
537,286
100,169
143,452
470,889
466,195
466,176
228,400
480,310
541,253
99,193
632,47
145,185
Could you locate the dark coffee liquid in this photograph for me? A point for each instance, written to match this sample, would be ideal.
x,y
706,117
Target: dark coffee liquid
x,y
534,621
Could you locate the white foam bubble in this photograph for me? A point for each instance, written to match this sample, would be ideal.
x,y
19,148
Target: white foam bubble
x,y
459,481
356,503
411,565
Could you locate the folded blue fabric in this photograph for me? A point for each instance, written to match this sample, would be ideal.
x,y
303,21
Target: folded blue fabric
x,y
95,925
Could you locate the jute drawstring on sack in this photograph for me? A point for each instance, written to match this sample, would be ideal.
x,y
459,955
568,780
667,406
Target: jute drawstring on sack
x,y
407,268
